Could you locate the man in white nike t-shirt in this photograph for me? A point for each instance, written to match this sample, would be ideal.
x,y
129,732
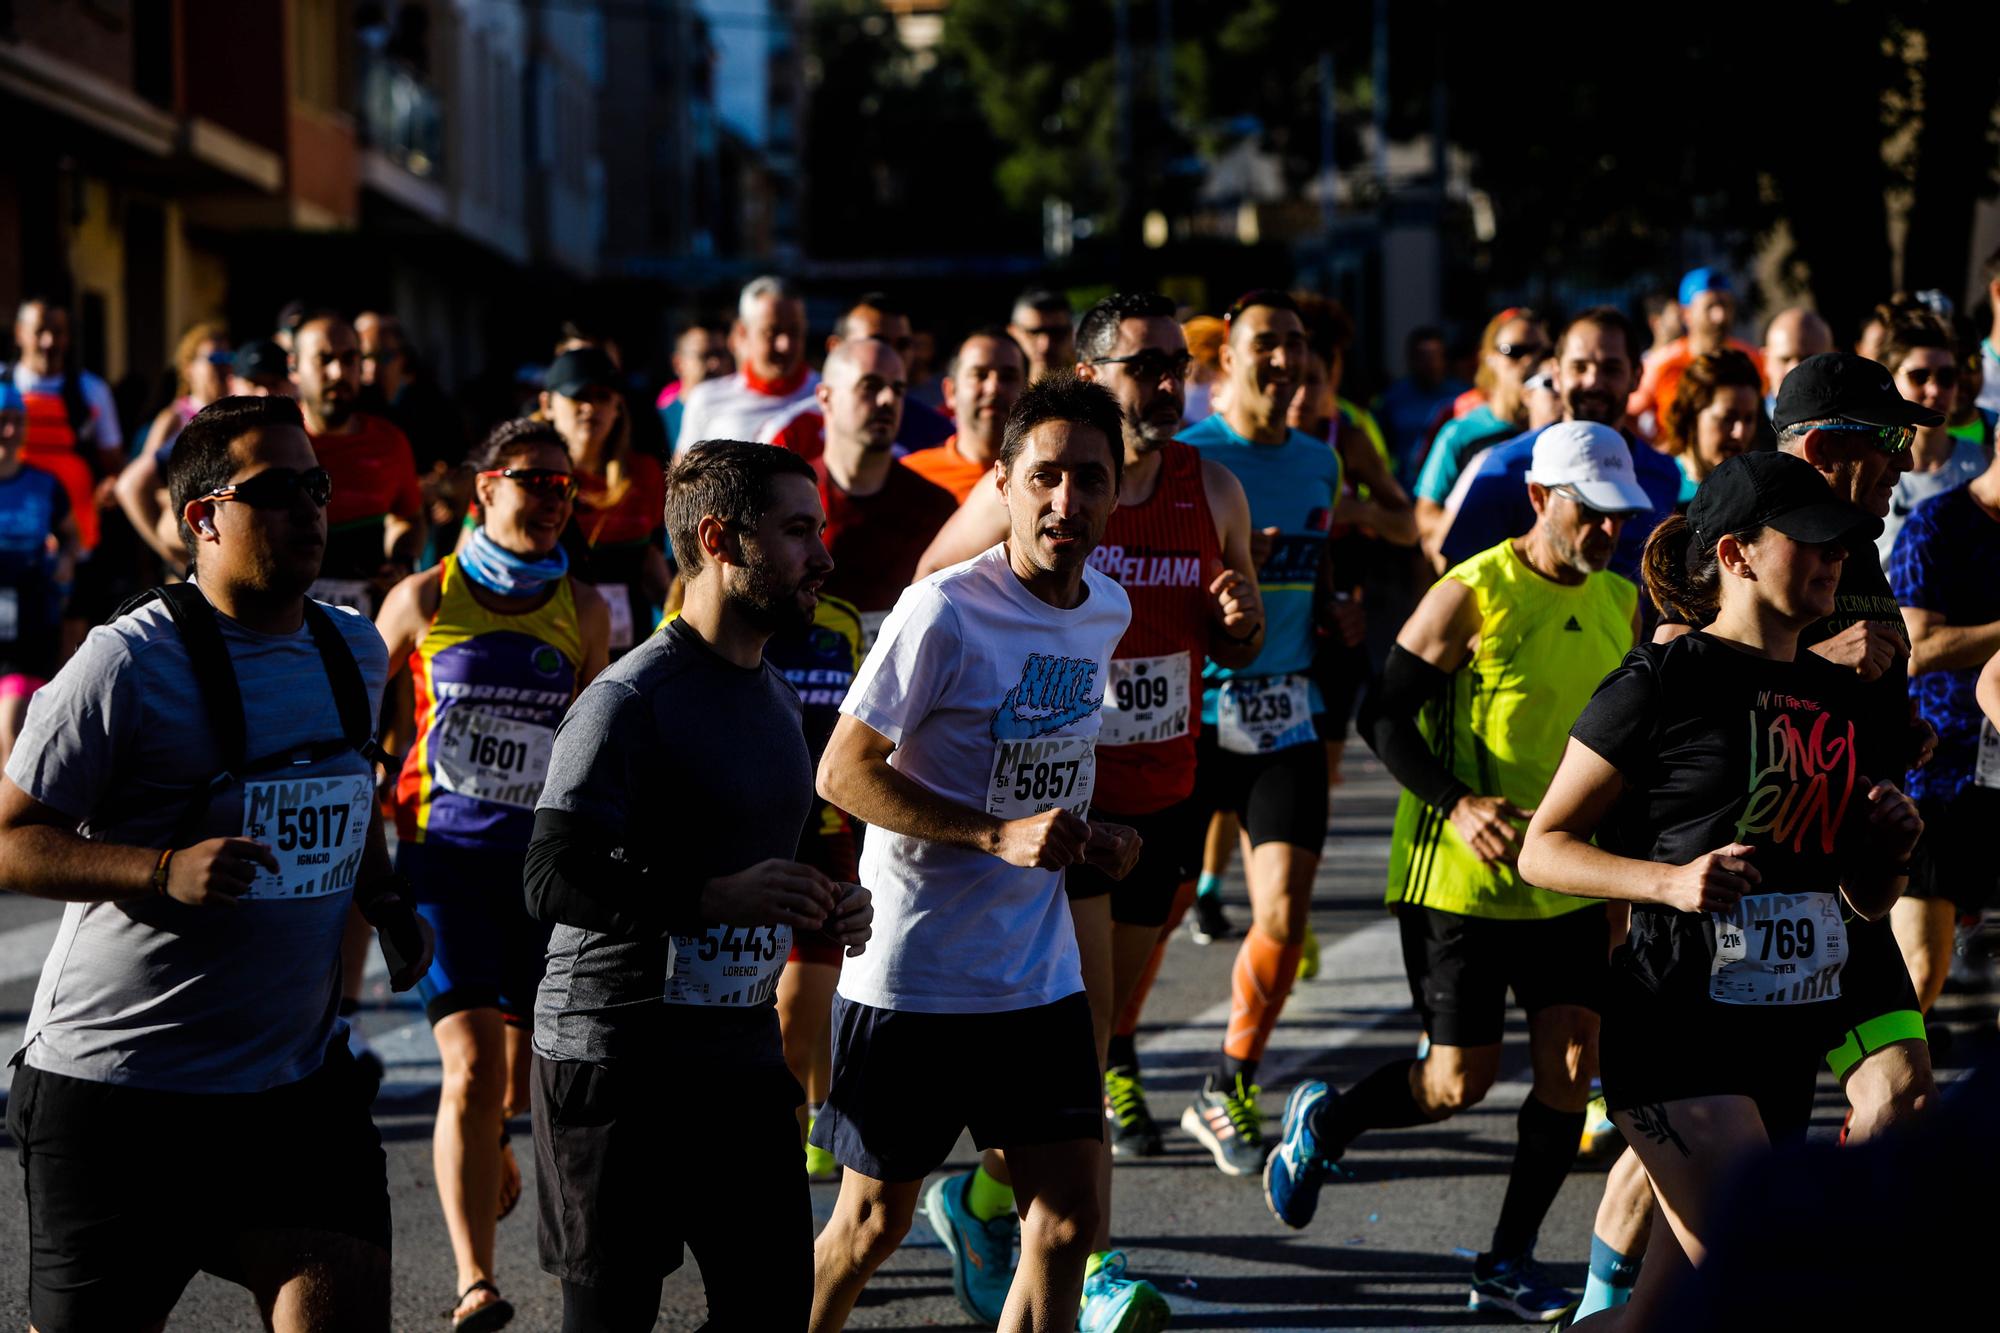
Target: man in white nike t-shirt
x,y
967,744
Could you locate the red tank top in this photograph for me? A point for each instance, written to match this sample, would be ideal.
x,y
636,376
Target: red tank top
x,y
1163,553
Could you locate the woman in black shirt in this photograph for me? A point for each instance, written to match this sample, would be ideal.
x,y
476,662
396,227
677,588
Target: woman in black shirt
x,y
1731,784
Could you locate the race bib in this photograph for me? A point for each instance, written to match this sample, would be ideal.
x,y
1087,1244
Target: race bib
x,y
1986,767
1256,715
619,598
728,965
316,827
10,615
490,758
1778,948
359,594
1032,776
1146,699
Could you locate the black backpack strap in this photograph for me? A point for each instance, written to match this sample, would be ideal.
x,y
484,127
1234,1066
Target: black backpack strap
x,y
350,692
214,674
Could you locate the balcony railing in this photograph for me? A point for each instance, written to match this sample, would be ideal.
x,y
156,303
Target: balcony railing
x,y
402,115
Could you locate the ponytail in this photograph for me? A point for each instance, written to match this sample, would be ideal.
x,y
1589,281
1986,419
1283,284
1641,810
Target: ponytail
x,y
1680,577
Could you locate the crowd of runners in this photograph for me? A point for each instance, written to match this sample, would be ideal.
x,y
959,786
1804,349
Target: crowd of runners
x,y
778,777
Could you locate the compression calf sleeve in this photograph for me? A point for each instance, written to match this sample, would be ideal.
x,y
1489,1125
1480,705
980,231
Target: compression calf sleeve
x,y
1612,1277
1543,1154
1258,985
1383,1100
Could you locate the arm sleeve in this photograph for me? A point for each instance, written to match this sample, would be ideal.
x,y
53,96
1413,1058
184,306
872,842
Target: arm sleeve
x,y
583,868
1389,724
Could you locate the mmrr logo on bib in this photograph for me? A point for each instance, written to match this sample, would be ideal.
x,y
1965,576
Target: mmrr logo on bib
x,y
1053,692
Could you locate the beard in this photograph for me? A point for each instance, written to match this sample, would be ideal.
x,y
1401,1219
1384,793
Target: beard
x,y
767,601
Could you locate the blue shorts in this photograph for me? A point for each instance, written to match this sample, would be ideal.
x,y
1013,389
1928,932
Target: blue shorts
x,y
490,953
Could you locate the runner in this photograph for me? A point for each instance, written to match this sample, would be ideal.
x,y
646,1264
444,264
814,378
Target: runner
x,y
981,382
615,539
1918,354
1042,324
72,427
1260,757
1792,335
1474,699
967,746
1512,348
1708,310
1714,1027
772,382
1951,604
1179,544
877,315
38,550
1716,414
197,785
375,525
486,649
662,854
700,353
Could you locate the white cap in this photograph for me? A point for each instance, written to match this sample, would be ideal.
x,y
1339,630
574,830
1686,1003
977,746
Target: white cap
x,y
1592,460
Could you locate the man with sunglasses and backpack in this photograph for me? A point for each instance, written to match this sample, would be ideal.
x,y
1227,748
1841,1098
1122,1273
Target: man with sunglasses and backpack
x,y
198,785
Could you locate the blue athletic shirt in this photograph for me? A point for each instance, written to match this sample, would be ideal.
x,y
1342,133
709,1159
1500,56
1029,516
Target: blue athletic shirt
x,y
1453,450
1944,562
1493,504
1291,487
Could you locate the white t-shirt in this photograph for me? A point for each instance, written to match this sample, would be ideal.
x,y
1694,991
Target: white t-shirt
x,y
993,698
729,409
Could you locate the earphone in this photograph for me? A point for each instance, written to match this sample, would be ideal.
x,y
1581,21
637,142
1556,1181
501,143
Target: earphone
x,y
207,528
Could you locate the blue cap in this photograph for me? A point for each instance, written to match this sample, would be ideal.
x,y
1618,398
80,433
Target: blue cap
x,y
10,397
1699,280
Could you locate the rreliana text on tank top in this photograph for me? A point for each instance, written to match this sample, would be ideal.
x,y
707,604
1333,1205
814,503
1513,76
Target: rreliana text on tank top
x,y
1137,567
1802,771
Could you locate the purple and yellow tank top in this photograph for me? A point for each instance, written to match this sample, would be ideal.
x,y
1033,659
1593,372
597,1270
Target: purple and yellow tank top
x,y
490,688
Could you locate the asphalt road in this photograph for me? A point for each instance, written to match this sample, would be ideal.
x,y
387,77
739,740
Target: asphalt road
x,y
1389,1250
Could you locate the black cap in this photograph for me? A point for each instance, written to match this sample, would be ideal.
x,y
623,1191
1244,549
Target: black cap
x,y
1853,388
1777,491
260,360
579,369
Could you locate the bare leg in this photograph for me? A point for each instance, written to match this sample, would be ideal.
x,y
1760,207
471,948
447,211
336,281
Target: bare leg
x,y
805,1017
1625,1213
316,1281
1924,930
465,1146
870,1219
1056,1184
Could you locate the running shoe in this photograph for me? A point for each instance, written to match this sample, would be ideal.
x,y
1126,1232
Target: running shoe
x,y
1225,1121
1134,1133
982,1253
1297,1168
1114,1303
1521,1287
1209,922
1309,957
1599,1133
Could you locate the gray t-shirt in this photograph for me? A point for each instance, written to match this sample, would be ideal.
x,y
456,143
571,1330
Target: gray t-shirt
x,y
696,768
152,992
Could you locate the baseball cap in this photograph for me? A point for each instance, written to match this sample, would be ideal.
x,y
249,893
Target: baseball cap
x,y
1699,280
260,360
1592,460
1777,491
1853,388
579,369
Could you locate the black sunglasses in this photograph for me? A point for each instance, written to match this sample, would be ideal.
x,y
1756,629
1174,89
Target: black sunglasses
x,y
277,488
1518,351
547,482
1150,366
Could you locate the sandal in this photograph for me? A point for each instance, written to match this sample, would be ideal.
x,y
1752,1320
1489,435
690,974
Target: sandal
x,y
495,1314
511,1186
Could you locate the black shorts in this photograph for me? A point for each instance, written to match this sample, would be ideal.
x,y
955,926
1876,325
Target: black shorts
x,y
132,1191
636,1159
1656,1049
905,1084
1877,1004
1279,796
489,953
1461,968
1955,860
1169,856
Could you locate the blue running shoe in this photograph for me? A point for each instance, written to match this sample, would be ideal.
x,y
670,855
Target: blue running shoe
x,y
1294,1172
1114,1303
1521,1287
982,1253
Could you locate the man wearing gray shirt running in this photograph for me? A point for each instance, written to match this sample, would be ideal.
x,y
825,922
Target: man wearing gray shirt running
x,y
184,1099
664,854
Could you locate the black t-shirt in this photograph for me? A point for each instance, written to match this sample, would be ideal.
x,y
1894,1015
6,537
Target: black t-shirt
x,y
1717,746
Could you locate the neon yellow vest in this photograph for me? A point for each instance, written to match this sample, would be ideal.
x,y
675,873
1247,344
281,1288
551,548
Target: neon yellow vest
x,y
1543,647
